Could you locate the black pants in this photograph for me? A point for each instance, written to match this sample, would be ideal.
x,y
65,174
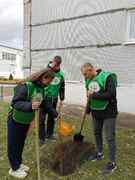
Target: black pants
x,y
109,125
16,138
50,120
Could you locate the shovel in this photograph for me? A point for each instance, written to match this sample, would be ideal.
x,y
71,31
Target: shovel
x,y
79,137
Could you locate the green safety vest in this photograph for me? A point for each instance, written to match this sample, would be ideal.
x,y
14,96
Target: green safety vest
x,y
27,117
52,90
97,84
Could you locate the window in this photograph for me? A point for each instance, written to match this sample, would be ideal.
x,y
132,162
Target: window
x,y
131,26
8,56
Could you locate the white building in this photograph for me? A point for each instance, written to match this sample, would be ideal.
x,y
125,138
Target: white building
x,y
11,62
101,32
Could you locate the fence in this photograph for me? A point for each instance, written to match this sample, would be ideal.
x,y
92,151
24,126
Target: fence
x,y
6,91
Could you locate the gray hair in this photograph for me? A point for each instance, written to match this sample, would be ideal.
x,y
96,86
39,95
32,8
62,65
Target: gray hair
x,y
87,65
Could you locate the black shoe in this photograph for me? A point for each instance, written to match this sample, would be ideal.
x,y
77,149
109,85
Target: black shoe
x,y
96,157
52,137
41,142
110,167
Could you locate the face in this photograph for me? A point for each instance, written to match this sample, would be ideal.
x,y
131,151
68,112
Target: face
x,y
56,67
46,81
88,72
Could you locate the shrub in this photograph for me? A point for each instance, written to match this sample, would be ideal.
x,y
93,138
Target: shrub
x,y
11,77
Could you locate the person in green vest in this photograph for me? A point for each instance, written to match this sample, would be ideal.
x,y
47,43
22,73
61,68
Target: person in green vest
x,y
101,91
22,112
52,92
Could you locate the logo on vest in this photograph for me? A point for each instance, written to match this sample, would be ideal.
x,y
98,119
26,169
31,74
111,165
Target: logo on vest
x,y
55,81
94,87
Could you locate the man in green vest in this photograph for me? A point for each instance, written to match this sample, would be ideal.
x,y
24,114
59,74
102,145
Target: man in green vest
x,y
101,91
54,91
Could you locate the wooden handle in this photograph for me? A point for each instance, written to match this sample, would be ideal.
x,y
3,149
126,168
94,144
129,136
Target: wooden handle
x,y
37,142
83,119
84,115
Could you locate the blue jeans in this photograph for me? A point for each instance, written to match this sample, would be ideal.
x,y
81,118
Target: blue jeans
x,y
16,138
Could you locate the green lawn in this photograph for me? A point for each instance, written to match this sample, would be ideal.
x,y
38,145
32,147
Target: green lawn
x,y
87,170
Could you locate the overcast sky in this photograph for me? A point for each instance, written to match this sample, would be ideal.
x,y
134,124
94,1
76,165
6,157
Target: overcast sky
x,y
11,23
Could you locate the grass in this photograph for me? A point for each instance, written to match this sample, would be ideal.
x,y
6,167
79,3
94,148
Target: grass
x,y
87,170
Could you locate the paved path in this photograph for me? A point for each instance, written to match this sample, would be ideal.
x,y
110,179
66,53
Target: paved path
x,y
75,94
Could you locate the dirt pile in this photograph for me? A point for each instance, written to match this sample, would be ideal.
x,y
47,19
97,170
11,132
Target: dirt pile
x,y
68,156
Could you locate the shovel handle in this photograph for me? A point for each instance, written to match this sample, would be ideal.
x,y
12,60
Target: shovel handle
x,y
37,142
59,110
82,124
59,115
84,116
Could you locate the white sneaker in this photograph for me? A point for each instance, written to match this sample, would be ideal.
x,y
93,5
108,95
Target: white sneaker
x,y
19,173
24,168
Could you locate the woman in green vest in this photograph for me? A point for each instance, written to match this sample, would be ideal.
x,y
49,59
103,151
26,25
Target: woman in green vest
x,y
21,115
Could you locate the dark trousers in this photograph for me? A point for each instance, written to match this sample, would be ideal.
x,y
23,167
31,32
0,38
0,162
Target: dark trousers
x,y
16,138
50,121
109,125
42,132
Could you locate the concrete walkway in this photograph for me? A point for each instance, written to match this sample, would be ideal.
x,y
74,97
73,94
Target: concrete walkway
x,y
75,94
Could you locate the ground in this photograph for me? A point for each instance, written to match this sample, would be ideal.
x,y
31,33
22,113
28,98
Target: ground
x,y
86,170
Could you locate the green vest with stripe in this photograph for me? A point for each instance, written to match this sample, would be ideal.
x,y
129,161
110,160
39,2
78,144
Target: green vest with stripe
x,y
26,117
53,89
97,84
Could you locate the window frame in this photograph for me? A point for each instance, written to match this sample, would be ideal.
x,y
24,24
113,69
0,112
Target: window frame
x,y
128,38
9,57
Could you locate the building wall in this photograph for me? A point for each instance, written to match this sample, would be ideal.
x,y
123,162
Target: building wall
x,y
79,31
8,66
48,10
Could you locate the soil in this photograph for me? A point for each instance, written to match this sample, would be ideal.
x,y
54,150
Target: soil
x,y
68,156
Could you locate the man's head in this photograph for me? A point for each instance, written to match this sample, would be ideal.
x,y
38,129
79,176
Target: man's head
x,y
56,62
88,70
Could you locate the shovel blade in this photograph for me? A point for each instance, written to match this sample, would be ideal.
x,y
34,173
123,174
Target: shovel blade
x,y
78,138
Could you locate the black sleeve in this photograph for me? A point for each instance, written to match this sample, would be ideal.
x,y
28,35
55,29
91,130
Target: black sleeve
x,y
110,91
62,90
19,101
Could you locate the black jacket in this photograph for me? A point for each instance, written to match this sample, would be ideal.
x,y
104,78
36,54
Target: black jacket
x,y
20,101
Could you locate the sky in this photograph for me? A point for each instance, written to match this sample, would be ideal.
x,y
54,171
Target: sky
x,y
11,23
